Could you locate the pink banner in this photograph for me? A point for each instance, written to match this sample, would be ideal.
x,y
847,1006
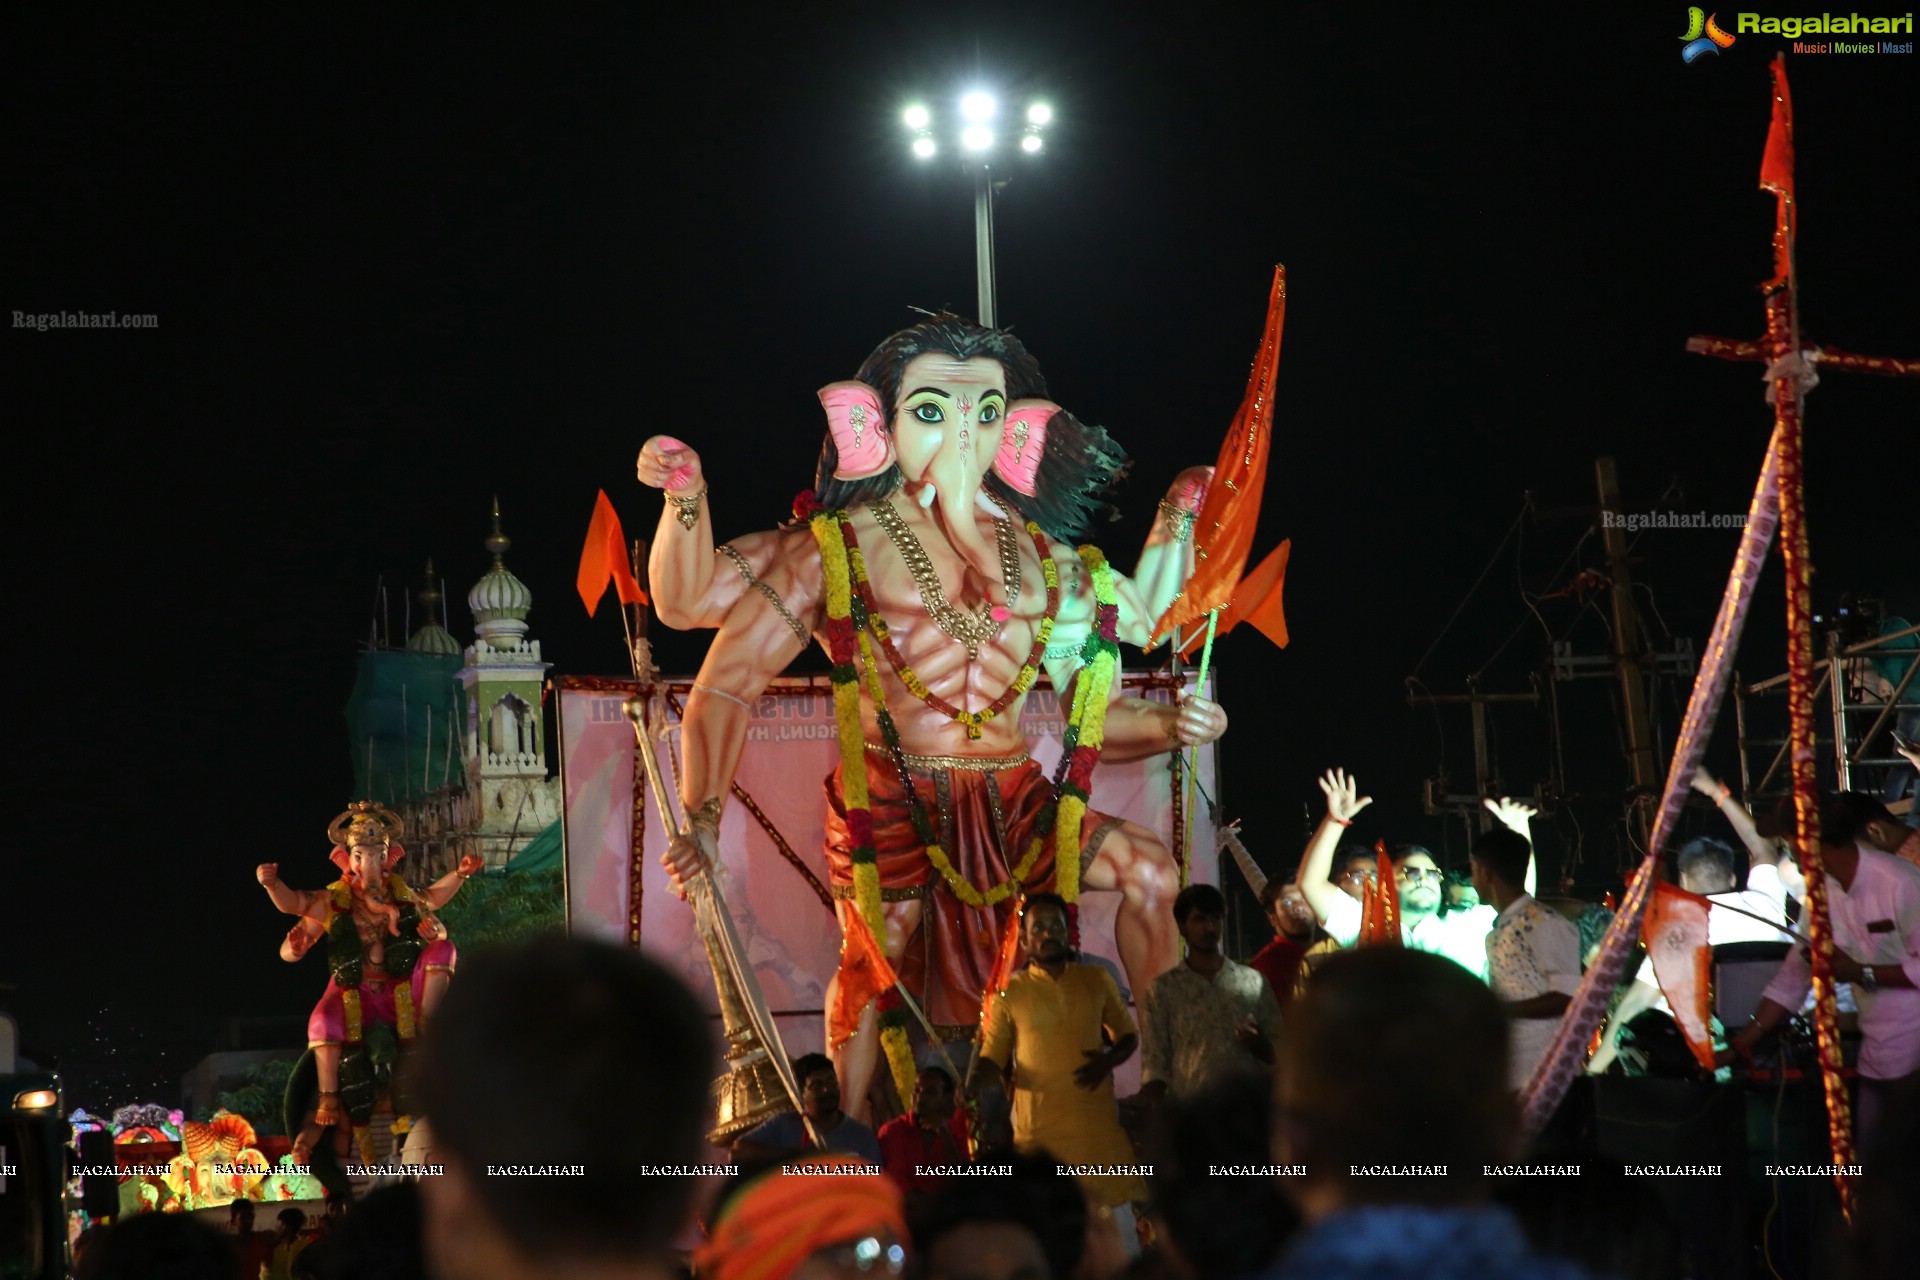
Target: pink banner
x,y
791,936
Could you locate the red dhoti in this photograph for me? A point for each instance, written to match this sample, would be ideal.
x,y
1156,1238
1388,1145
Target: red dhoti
x,y
985,817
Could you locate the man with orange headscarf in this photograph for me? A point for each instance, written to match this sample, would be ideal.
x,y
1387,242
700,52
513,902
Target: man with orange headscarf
x,y
822,1218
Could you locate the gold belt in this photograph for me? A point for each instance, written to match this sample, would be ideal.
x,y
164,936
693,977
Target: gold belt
x,y
903,893
973,764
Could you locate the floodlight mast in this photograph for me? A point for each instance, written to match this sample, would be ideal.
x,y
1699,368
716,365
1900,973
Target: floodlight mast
x,y
976,139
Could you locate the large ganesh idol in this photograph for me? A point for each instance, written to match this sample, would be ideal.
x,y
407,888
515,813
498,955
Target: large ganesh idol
x,y
935,562
389,960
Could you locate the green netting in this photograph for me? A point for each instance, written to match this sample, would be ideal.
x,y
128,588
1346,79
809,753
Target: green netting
x,y
540,853
403,725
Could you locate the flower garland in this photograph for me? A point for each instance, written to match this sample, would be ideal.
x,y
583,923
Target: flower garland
x,y
849,646
973,721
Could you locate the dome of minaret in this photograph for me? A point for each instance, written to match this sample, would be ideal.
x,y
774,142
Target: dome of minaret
x,y
431,636
500,602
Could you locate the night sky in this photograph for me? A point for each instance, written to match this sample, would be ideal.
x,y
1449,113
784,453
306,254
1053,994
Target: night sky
x,y
403,264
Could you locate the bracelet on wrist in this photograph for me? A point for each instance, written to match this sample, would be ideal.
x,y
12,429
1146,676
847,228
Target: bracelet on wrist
x,y
1344,822
686,508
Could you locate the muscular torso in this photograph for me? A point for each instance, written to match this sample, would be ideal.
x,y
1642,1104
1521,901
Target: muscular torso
x,y
941,661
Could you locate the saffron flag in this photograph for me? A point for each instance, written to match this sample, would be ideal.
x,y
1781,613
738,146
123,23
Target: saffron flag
x,y
1676,936
1257,601
605,557
1003,963
1223,529
864,974
1380,908
1776,171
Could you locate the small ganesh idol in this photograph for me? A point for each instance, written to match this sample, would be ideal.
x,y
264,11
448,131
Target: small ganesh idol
x,y
389,960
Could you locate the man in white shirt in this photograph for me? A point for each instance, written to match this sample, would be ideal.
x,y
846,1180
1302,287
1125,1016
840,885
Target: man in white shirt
x,y
1533,952
1706,867
1461,936
1874,901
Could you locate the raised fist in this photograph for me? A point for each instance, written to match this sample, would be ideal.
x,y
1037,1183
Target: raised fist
x,y
469,865
267,873
1189,488
666,463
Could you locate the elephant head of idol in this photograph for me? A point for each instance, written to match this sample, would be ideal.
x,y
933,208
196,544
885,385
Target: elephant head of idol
x,y
949,411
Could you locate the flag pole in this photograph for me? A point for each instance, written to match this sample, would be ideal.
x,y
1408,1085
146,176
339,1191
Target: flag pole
x,y
1193,753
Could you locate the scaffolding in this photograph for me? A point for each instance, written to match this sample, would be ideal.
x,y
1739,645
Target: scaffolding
x,y
1854,752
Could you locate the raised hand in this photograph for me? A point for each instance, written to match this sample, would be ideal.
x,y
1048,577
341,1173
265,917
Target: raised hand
x,y
1706,784
1341,790
666,463
267,873
469,865
1513,814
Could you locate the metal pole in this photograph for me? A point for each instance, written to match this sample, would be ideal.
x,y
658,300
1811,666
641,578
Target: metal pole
x,y
1837,700
983,239
1627,647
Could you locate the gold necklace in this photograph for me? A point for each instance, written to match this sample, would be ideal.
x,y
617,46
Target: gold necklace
x,y
971,629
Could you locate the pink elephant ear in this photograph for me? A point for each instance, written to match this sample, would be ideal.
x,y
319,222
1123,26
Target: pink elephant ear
x,y
394,854
1018,460
859,432
341,859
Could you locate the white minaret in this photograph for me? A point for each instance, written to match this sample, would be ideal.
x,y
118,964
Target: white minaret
x,y
510,799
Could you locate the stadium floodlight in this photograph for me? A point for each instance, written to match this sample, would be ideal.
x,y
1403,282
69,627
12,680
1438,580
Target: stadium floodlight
x,y
1039,114
976,137
924,148
918,117
977,106
1031,144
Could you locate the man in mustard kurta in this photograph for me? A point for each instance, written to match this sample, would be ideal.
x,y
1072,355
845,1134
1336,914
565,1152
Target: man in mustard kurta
x,y
1047,1029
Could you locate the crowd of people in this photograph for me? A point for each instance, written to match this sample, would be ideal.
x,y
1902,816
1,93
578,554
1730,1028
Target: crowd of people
x,y
1324,1110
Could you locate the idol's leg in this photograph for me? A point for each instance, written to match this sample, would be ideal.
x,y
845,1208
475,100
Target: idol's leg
x,y
1127,857
854,1061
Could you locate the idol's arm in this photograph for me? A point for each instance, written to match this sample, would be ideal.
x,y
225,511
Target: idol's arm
x,y
294,902
1166,562
755,643
441,891
694,583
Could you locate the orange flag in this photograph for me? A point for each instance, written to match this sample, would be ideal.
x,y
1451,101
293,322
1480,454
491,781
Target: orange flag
x,y
1223,530
1776,170
1003,963
605,556
1675,931
1380,908
1256,600
864,974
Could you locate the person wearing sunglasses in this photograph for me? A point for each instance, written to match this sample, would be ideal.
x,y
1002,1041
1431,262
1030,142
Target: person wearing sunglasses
x,y
1459,935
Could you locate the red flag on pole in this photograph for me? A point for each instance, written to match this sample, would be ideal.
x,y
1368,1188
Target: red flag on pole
x,y
1257,601
864,974
1223,529
605,557
1380,908
1675,932
1776,170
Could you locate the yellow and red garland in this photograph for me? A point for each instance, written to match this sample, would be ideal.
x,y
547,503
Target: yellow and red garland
x,y
853,626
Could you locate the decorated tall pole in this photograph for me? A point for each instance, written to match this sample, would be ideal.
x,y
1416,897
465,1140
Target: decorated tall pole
x,y
1787,372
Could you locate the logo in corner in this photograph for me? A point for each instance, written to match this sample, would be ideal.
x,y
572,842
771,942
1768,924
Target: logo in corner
x,y
1703,35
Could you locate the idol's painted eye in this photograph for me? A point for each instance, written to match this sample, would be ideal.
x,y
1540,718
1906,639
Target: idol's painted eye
x,y
928,411
989,412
